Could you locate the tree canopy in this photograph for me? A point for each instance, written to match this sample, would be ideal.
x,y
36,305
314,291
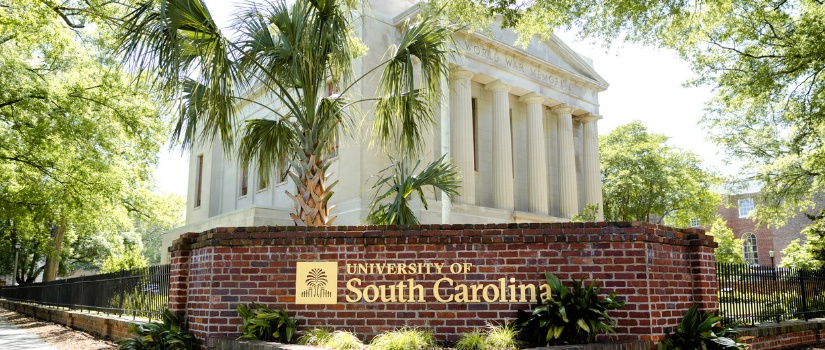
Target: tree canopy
x,y
645,179
730,248
77,140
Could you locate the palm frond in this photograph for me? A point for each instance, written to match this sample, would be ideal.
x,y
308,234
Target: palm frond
x,y
402,182
405,112
179,42
268,143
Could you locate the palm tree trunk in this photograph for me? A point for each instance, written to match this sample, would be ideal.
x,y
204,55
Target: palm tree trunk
x,y
310,203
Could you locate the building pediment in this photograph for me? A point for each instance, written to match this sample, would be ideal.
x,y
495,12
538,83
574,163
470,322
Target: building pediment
x,y
547,62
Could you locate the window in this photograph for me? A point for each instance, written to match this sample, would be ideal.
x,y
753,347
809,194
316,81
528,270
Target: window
x,y
283,170
262,181
475,133
332,146
749,248
198,181
694,222
745,207
244,180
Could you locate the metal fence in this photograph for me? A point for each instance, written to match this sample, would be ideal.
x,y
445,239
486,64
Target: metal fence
x,y
140,292
757,294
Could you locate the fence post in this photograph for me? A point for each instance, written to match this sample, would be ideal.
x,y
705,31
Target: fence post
x,y
803,293
120,302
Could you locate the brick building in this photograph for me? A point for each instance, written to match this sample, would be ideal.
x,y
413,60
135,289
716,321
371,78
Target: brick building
x,y
759,240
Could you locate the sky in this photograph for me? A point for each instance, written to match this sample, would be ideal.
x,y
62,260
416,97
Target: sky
x,y
645,84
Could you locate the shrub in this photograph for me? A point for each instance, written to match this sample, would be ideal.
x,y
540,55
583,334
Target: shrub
x,y
338,340
503,337
475,340
169,334
263,323
403,339
139,303
568,317
495,337
701,330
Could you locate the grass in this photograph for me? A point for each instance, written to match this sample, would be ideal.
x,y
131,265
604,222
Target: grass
x,y
404,339
503,337
475,340
494,338
338,340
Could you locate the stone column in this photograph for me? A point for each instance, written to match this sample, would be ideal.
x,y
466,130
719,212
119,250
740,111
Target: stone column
x,y
536,156
502,147
461,143
444,122
592,170
568,190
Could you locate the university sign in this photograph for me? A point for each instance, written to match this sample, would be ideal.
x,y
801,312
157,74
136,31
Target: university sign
x,y
317,283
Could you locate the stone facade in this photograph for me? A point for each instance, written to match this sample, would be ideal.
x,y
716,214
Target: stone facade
x,y
659,271
520,123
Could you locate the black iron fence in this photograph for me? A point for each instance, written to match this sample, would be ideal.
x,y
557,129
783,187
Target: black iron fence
x,y
140,292
756,294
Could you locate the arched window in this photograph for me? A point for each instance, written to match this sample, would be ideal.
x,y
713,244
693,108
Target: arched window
x,y
749,249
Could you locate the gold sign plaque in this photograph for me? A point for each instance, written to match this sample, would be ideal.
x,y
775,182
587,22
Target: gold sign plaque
x,y
316,282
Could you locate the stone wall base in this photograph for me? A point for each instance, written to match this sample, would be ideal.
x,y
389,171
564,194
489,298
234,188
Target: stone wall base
x,y
105,327
785,335
232,344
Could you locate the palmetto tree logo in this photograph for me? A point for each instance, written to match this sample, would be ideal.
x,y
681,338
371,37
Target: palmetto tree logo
x,y
316,282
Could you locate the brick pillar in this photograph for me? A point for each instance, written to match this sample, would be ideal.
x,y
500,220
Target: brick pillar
x,y
703,270
179,273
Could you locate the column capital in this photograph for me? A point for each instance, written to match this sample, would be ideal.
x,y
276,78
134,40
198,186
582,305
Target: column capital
x,y
497,85
462,73
589,117
562,108
532,98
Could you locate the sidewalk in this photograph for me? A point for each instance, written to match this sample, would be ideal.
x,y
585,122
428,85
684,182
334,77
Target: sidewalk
x,y
12,337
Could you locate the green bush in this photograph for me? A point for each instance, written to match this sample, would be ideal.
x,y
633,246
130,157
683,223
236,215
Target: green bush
x,y
403,339
263,323
568,317
169,334
701,330
324,338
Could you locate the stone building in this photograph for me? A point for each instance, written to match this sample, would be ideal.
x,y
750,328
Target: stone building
x,y
520,123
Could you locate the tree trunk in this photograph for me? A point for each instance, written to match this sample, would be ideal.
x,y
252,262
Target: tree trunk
x,y
311,201
53,258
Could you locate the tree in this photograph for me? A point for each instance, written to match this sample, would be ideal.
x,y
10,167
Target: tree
x,y
644,179
729,250
76,138
291,51
403,182
799,256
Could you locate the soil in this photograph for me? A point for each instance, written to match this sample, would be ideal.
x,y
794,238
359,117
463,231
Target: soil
x,y
56,335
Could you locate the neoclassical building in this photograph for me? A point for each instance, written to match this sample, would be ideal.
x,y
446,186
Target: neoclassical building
x,y
520,123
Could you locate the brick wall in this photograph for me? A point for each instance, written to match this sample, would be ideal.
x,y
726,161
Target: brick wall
x,y
660,271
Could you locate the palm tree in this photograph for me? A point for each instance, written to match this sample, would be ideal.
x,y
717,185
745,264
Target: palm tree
x,y
291,51
402,181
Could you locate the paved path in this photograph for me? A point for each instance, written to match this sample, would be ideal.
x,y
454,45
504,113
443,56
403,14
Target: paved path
x,y
14,338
